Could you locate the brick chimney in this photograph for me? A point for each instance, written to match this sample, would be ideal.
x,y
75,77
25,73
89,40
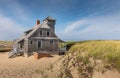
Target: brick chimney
x,y
37,22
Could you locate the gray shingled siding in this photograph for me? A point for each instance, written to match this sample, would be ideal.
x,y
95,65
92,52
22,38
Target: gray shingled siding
x,y
44,33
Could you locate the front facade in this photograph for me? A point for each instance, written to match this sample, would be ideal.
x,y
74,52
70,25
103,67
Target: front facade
x,y
41,38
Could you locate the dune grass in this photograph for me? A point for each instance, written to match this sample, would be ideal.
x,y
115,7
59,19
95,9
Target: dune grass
x,y
108,51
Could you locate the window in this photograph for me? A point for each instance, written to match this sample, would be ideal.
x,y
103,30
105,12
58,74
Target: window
x,y
48,33
48,20
40,32
31,42
21,46
51,41
39,44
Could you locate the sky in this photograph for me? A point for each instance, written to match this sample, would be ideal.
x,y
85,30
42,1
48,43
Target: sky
x,y
76,20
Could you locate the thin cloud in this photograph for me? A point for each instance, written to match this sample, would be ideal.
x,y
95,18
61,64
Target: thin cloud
x,y
9,29
99,27
73,26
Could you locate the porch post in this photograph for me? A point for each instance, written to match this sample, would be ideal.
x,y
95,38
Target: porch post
x,y
26,48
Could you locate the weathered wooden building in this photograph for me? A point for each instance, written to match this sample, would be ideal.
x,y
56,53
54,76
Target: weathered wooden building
x,y
41,38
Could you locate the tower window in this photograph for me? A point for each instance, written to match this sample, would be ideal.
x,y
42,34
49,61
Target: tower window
x,y
48,33
40,32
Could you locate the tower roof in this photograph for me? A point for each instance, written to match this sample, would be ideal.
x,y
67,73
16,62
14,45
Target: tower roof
x,y
49,18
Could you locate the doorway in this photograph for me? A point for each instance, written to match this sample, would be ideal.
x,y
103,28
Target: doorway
x,y
39,44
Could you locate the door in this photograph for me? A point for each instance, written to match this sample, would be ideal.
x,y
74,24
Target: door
x,y
39,44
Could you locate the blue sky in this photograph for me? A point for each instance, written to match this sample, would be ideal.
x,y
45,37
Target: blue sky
x,y
76,19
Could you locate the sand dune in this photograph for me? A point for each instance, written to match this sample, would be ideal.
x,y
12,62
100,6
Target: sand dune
x,y
22,67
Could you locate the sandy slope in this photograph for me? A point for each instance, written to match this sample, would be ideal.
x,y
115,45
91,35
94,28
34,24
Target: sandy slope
x,y
22,67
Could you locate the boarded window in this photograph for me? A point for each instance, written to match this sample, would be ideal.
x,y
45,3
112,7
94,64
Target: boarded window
x,y
48,33
39,44
40,32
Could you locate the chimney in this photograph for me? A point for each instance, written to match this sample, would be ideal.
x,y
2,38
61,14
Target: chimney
x,y
37,22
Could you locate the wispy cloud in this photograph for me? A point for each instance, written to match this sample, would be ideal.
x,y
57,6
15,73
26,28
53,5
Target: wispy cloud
x,y
73,26
9,29
12,13
96,27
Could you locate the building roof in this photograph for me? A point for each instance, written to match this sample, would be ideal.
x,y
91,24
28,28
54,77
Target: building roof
x,y
28,31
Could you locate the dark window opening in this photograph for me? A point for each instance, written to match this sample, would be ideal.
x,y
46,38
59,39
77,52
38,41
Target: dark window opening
x,y
53,20
31,42
40,32
21,45
49,20
48,33
39,44
51,41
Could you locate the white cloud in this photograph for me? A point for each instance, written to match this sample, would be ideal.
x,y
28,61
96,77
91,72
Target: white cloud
x,y
73,26
9,29
91,28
